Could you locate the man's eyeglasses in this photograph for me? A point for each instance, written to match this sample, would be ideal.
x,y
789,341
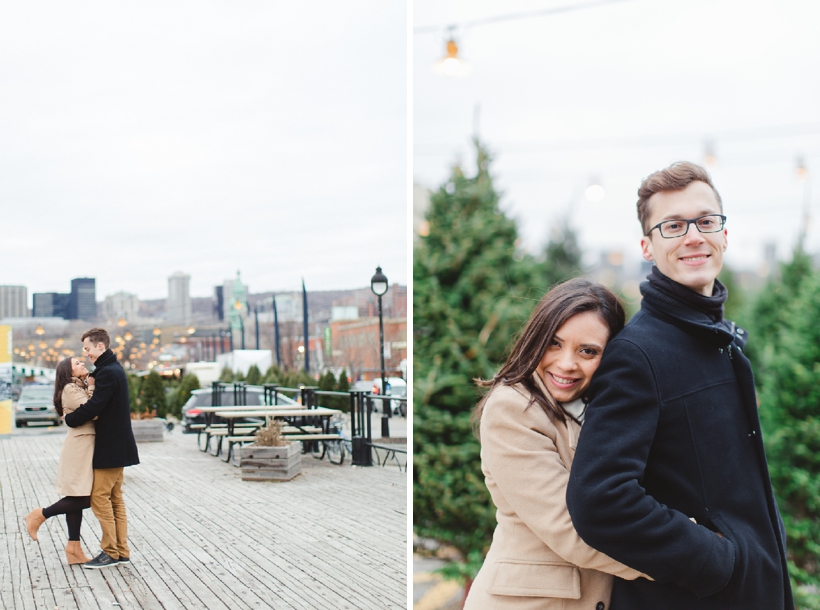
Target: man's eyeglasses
x,y
669,229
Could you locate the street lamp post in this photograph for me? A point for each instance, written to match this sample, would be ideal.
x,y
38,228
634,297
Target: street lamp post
x,y
256,318
378,284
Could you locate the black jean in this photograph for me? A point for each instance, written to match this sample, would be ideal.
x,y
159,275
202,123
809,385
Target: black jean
x,y
72,507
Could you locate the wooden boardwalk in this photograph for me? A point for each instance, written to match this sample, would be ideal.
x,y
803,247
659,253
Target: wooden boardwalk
x,y
200,537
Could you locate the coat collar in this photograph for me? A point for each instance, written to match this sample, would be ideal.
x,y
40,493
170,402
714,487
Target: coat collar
x,y
106,358
665,305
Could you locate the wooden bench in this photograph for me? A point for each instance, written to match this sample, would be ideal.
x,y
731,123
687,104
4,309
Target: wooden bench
x,y
245,439
218,430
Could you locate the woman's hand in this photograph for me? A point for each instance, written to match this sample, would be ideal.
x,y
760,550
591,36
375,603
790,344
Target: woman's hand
x,y
91,382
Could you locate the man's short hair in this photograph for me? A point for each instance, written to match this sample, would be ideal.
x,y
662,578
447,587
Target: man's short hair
x,y
676,177
97,335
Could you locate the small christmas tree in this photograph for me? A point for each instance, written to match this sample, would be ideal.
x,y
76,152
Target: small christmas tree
x,y
789,388
472,290
152,395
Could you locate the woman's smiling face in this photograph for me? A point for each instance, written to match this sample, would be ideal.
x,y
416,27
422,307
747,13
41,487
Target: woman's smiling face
x,y
573,356
78,368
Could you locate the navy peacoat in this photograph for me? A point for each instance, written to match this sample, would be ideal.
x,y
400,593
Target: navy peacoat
x,y
115,446
671,453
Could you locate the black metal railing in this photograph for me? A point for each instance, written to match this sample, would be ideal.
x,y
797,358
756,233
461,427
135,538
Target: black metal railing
x,y
361,405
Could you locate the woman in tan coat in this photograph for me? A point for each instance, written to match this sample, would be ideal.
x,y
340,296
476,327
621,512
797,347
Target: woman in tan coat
x,y
75,475
529,425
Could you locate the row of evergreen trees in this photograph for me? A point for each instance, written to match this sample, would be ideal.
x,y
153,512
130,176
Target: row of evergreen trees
x,y
166,396
163,397
474,288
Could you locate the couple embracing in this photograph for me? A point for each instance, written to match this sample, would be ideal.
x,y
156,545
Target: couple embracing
x,y
626,461
98,445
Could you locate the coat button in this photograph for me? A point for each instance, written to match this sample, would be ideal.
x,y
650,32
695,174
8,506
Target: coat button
x,y
600,606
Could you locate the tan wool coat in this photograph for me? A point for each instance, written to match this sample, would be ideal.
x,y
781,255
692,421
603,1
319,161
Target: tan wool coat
x,y
536,560
75,475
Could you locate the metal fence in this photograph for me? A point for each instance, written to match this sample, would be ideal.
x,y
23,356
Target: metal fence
x,y
361,406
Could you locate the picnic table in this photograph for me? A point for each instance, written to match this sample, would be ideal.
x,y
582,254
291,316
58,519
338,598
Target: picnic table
x,y
309,425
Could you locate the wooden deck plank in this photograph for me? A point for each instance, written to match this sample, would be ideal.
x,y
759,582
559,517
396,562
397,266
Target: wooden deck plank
x,y
200,537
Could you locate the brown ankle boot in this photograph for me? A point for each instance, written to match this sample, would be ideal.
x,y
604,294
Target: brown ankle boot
x,y
33,522
74,553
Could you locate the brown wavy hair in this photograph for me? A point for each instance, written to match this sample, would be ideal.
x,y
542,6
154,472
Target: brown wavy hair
x,y
63,379
676,177
563,301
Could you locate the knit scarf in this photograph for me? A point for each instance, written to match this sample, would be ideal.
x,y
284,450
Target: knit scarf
x,y
673,293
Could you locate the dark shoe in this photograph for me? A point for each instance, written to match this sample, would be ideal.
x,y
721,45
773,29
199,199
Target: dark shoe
x,y
103,560
124,560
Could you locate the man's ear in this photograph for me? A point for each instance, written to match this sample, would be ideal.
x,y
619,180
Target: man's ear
x,y
646,249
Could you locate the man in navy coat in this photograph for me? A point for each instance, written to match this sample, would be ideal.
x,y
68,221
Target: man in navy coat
x,y
114,446
670,475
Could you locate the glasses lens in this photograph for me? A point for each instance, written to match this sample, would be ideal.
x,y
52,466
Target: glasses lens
x,y
674,228
710,224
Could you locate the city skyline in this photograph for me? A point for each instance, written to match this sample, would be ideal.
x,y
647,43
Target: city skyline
x,y
190,144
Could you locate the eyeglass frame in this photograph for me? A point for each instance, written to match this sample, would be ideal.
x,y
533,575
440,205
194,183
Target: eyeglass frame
x,y
688,223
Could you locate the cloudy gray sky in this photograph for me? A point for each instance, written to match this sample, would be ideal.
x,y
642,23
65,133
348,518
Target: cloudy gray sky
x,y
613,92
139,139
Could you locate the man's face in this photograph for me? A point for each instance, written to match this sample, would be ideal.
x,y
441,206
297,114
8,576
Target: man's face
x,y
92,351
694,259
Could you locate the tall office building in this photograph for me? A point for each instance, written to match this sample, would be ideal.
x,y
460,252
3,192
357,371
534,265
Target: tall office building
x,y
83,302
179,298
121,305
50,305
13,302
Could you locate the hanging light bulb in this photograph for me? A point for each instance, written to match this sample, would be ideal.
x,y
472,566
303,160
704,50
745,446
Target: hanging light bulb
x,y
594,192
801,171
451,64
709,156
40,330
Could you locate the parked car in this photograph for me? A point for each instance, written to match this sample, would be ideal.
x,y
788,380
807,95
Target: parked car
x,y
396,386
36,405
191,410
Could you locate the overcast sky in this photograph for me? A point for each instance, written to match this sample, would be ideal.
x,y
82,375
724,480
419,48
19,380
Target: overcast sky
x,y
613,92
140,139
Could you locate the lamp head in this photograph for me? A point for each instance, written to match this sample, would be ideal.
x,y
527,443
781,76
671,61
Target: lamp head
x,y
378,283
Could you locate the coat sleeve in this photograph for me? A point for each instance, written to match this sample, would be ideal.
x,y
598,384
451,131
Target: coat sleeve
x,y
73,396
610,509
518,450
105,387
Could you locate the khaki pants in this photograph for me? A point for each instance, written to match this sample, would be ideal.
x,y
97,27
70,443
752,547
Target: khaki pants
x,y
109,508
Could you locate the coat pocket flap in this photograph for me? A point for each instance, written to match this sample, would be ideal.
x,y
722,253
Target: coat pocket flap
x,y
536,579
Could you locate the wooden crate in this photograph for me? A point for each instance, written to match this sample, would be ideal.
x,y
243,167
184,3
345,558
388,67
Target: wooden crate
x,y
270,463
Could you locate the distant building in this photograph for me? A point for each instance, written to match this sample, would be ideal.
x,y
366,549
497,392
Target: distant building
x,y
397,297
344,312
82,304
121,305
355,345
289,306
227,296
179,298
50,305
13,302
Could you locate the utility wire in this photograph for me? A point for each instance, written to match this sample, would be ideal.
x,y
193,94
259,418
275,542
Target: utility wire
x,y
512,16
639,141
